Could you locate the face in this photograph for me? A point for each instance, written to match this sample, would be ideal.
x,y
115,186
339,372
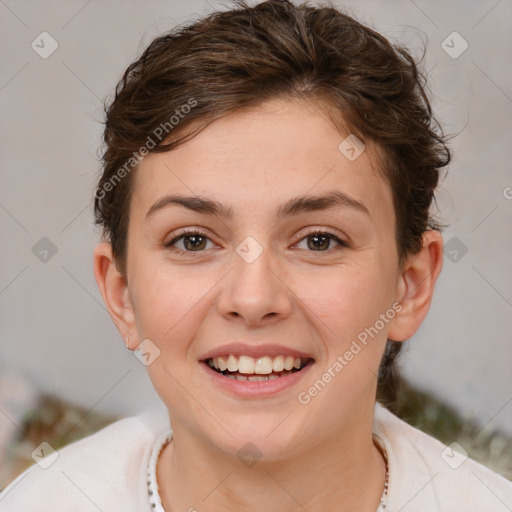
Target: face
x,y
233,254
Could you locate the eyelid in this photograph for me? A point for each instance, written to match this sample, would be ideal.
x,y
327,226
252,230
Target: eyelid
x,y
304,233
180,233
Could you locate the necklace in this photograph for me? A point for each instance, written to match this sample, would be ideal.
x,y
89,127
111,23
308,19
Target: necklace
x,y
384,496
165,439
154,495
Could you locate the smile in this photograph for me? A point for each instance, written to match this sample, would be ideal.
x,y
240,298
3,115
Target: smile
x,y
247,368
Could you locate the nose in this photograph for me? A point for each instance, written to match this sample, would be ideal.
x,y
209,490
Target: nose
x,y
256,292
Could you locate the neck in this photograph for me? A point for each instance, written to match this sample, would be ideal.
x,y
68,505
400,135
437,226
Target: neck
x,y
347,469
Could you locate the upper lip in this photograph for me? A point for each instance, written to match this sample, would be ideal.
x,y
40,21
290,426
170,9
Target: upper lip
x,y
244,349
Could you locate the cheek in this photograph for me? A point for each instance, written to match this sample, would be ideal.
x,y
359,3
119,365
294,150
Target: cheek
x,y
346,313
166,306
169,311
346,300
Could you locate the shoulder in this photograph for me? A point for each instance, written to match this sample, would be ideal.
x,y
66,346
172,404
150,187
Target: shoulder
x,y
105,471
424,473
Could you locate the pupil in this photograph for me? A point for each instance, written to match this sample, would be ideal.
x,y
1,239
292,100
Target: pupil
x,y
196,242
316,238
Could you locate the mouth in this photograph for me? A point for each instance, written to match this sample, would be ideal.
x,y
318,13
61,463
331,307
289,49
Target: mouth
x,y
256,369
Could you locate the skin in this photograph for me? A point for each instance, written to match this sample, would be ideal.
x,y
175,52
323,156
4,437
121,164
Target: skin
x,y
317,301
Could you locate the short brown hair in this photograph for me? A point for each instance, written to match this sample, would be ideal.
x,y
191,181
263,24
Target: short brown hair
x,y
245,56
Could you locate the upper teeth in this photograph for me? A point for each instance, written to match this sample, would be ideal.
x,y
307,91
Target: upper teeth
x,y
262,365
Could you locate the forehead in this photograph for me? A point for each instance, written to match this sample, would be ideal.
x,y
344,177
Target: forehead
x,y
257,158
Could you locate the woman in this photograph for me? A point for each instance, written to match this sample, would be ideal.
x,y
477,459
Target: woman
x,y
268,173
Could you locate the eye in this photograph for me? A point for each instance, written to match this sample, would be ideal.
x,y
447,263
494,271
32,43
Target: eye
x,y
196,241
193,241
320,241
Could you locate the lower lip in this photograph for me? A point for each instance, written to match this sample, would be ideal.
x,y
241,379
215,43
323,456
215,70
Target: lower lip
x,y
258,389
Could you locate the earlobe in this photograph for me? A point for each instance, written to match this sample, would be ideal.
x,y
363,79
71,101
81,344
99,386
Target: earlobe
x,y
114,290
416,286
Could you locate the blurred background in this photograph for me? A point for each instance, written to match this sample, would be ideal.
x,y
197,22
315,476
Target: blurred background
x,y
64,370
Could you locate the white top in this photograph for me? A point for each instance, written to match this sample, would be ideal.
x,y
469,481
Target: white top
x,y
108,472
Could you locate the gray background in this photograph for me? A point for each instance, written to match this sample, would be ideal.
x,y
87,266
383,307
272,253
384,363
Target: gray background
x,y
54,328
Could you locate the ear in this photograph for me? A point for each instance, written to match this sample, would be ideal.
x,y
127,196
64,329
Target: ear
x,y
114,290
416,286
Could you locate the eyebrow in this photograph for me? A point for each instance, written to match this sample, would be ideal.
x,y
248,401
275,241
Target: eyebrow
x,y
302,204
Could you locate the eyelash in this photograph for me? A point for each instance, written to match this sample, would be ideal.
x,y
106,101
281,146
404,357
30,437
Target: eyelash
x,y
303,235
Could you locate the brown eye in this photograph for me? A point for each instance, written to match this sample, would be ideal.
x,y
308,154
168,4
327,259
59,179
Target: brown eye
x,y
318,242
192,241
321,241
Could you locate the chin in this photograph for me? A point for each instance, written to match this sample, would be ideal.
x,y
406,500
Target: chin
x,y
265,437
